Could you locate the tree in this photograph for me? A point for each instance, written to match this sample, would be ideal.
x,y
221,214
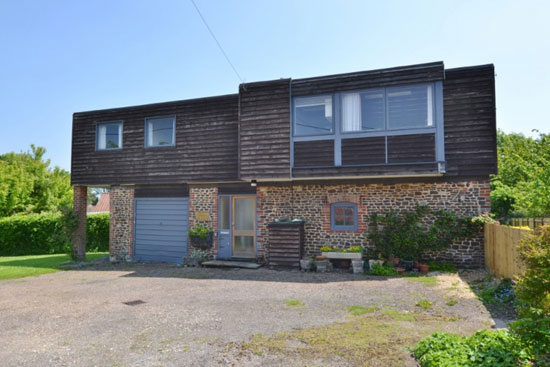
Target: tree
x,y
27,184
522,186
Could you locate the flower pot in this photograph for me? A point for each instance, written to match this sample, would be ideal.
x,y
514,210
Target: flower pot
x,y
320,258
322,266
372,262
202,243
306,264
395,260
424,268
357,266
408,264
400,271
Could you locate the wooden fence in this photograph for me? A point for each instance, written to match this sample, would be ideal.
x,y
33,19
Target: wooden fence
x,y
501,250
530,222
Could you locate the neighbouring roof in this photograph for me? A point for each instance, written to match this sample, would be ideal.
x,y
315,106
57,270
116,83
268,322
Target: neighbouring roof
x,y
102,204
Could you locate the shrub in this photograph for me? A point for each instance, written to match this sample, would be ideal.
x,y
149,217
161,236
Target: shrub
x,y
409,234
97,232
533,295
483,349
382,270
48,233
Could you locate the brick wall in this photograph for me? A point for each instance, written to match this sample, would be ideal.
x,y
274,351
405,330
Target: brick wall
x,y
121,226
79,236
312,203
204,199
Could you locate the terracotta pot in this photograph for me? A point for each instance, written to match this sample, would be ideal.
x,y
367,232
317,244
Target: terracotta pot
x,y
400,271
424,269
320,258
395,260
416,265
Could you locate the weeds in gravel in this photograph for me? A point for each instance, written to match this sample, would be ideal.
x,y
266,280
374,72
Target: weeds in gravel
x,y
293,303
424,303
360,310
367,340
427,281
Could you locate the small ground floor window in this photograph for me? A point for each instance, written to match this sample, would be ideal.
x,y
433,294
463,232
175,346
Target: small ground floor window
x,y
343,217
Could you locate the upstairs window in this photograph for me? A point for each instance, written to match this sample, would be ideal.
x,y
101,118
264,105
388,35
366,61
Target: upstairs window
x,y
313,115
343,217
388,108
109,136
160,131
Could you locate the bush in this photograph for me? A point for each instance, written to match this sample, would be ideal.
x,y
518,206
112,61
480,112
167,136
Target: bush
x,y
382,270
533,295
483,349
49,233
409,234
97,232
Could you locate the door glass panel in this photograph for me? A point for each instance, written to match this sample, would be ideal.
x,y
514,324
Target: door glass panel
x,y
244,246
244,214
224,212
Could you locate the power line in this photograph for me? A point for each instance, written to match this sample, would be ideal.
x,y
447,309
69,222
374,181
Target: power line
x,y
217,42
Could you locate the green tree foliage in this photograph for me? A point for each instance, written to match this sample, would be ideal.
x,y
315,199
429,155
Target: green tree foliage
x,y
29,185
522,186
533,294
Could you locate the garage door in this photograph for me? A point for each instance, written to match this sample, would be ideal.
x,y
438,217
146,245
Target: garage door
x,y
161,229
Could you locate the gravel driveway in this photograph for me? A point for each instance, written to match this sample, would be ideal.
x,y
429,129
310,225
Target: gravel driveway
x,y
192,316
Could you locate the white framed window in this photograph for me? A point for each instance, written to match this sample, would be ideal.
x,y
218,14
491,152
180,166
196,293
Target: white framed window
x,y
109,135
313,115
391,108
160,131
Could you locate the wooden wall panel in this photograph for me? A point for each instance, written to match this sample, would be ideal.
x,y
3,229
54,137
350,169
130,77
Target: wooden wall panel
x,y
314,153
206,144
364,151
264,131
421,73
411,148
470,121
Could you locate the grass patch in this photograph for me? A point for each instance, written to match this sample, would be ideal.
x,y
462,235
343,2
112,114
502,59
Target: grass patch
x,y
424,303
427,281
442,267
451,302
12,267
360,310
367,340
293,303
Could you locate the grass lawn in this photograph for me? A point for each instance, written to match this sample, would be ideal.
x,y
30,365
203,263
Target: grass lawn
x,y
24,266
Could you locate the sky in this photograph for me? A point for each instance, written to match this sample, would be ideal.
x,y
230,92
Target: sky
x,y
60,57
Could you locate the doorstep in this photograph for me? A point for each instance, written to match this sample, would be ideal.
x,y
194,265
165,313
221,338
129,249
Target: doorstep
x,y
231,264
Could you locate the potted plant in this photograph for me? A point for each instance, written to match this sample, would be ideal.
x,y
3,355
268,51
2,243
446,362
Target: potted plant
x,y
197,257
201,237
424,268
306,263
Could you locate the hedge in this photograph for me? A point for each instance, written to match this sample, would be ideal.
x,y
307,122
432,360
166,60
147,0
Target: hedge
x,y
45,233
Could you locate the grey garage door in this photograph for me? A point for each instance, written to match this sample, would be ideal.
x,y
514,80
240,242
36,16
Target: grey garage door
x,y
161,229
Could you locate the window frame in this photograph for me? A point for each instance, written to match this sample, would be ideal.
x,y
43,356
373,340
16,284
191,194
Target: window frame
x,y
120,123
146,134
333,125
387,130
337,227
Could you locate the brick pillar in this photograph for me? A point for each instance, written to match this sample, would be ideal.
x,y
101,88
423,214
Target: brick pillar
x,y
121,225
79,236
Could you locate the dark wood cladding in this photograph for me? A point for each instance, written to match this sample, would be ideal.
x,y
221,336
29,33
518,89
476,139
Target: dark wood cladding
x,y
411,148
264,131
205,150
421,73
364,151
167,191
470,121
376,170
314,153
285,245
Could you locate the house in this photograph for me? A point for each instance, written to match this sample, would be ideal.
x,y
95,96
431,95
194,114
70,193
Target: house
x,y
331,150
102,205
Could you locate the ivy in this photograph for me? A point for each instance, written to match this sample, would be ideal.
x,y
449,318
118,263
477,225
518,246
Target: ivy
x,y
409,234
